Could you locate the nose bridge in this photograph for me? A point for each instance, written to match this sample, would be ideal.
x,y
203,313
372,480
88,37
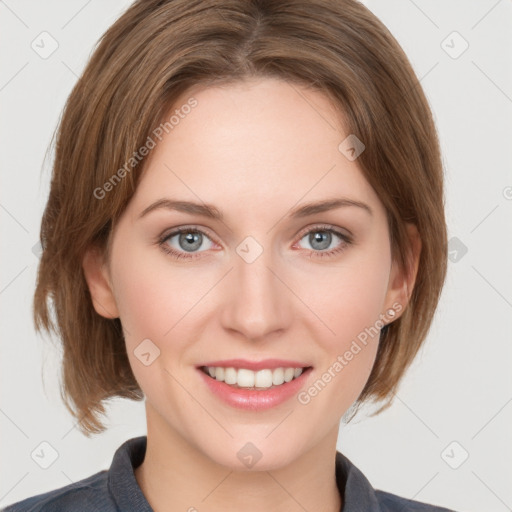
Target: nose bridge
x,y
257,298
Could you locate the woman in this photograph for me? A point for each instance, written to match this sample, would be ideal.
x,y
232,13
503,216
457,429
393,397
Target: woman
x,y
246,229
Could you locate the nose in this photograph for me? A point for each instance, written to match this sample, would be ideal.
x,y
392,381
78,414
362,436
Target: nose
x,y
257,302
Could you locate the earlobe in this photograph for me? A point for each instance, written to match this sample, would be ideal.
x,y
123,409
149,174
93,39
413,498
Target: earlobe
x,y
99,283
402,280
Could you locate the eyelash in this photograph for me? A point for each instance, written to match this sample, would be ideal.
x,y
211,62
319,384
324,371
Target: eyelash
x,y
347,241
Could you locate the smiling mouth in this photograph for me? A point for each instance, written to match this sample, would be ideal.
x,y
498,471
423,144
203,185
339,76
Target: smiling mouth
x,y
243,378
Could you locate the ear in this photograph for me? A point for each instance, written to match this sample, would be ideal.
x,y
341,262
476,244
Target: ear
x,y
401,281
98,280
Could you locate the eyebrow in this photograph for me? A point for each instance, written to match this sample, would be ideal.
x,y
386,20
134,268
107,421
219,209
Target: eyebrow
x,y
210,211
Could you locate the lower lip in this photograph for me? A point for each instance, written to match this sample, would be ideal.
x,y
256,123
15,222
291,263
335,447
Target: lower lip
x,y
255,400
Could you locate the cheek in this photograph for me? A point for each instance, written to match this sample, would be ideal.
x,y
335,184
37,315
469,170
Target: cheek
x,y
149,300
360,301
159,302
153,304
348,297
348,300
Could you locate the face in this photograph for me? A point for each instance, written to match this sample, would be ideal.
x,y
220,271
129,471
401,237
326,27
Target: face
x,y
260,283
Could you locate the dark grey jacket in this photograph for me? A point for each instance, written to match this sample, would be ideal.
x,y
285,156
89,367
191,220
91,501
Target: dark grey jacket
x,y
116,490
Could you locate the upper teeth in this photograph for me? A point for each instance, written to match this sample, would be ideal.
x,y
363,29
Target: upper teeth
x,y
247,378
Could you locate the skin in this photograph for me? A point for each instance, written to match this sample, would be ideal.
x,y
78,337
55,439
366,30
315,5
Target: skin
x,y
255,150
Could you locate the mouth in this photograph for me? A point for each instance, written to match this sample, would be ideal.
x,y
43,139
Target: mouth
x,y
254,390
254,385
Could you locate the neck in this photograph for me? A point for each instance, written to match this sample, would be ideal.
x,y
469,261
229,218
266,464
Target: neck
x,y
176,476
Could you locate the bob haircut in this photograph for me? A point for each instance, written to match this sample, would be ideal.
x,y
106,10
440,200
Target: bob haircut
x,y
155,52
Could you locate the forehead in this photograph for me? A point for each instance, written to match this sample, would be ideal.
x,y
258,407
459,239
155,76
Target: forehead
x,y
260,142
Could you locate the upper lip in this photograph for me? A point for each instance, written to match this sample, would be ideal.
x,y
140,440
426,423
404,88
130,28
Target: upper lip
x,y
256,365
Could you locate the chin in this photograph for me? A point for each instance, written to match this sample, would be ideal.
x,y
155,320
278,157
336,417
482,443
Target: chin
x,y
250,454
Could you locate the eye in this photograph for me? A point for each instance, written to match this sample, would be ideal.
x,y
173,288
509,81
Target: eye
x,y
187,240
190,239
320,238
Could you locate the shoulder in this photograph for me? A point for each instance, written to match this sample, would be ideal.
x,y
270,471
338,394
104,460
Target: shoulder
x,y
106,491
87,495
393,503
358,493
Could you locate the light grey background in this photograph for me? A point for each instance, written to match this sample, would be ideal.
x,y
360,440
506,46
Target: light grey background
x,y
459,388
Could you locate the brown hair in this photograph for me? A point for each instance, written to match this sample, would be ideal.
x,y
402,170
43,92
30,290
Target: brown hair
x,y
153,54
